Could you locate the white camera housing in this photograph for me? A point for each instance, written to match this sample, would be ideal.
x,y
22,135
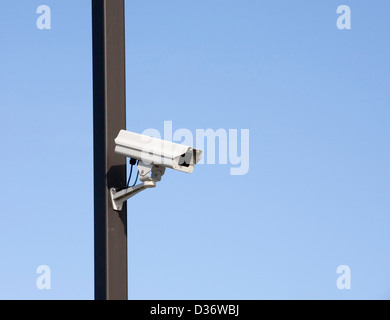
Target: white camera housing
x,y
154,156
158,152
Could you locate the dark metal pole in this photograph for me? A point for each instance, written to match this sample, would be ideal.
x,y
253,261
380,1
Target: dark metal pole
x,y
109,117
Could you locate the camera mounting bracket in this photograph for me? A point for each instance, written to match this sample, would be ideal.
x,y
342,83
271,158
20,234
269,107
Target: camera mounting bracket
x,y
119,196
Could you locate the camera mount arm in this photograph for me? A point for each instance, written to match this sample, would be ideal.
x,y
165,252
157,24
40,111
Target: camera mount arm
x,y
118,196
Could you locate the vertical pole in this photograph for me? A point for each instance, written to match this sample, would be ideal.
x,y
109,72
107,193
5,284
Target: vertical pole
x,y
109,117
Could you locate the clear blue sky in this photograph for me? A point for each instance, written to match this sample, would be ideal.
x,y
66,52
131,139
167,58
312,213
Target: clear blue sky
x,y
316,100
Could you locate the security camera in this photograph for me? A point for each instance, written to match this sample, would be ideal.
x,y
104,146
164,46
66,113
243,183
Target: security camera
x,y
158,152
153,156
